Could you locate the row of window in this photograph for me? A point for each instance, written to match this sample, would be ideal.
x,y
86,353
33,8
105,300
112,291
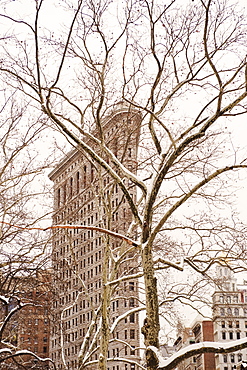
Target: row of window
x,y
74,184
70,337
231,324
86,248
79,202
231,335
229,298
232,358
232,311
86,317
38,321
35,349
33,340
84,304
80,181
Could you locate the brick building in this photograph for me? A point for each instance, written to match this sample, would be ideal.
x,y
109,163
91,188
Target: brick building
x,y
204,331
29,328
85,194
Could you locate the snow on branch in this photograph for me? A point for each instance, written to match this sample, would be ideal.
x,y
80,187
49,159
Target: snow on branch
x,y
124,315
10,355
177,265
124,278
5,300
6,320
196,349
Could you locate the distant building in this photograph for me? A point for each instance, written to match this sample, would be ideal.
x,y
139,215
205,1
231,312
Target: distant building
x,y
29,328
204,331
34,324
85,194
229,316
186,338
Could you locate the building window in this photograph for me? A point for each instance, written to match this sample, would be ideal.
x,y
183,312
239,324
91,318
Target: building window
x,y
132,351
222,312
224,358
229,311
223,335
235,299
64,193
230,324
85,176
223,324
238,334
230,335
132,302
131,286
237,324
232,358
77,182
71,187
92,172
236,311
58,197
132,317
132,333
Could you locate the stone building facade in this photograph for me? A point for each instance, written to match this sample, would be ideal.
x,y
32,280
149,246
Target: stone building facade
x,y
229,316
229,323
86,195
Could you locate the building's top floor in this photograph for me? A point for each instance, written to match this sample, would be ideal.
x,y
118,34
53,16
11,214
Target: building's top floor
x,y
235,297
121,126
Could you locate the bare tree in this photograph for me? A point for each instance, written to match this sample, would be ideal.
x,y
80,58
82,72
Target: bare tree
x,y
24,253
183,66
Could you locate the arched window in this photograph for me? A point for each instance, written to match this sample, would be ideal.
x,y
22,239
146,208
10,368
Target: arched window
x,y
236,311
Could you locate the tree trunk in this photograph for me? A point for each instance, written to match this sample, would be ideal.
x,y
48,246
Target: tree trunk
x,y
151,325
105,331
